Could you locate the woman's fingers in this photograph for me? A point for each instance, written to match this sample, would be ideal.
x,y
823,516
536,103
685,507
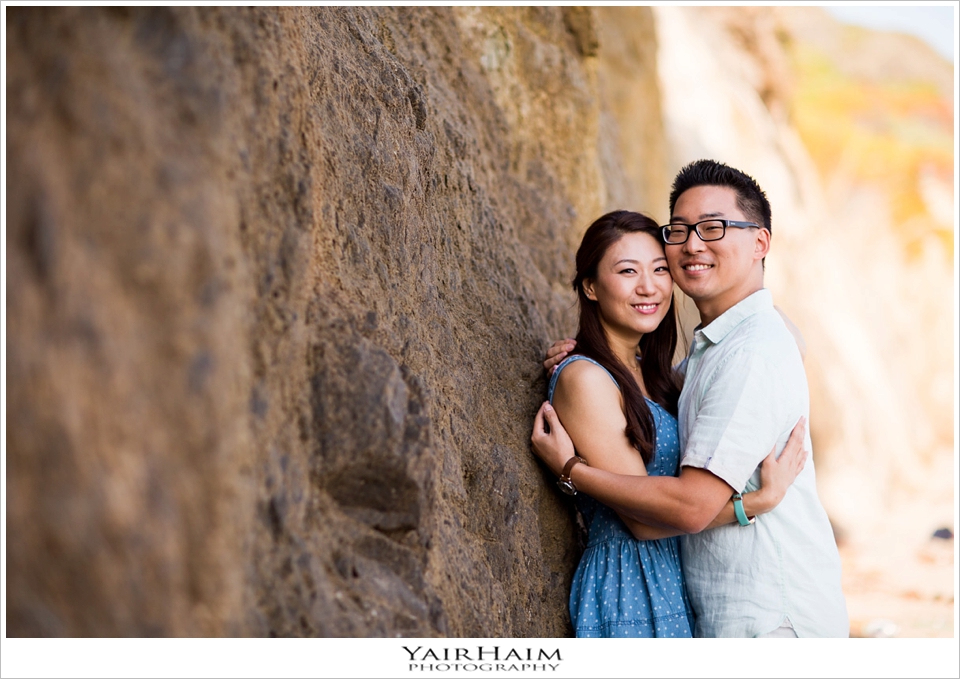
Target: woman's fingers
x,y
539,422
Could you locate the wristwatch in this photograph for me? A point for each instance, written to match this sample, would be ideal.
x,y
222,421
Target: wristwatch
x,y
566,485
738,510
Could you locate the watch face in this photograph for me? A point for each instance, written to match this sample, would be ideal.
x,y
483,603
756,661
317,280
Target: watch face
x,y
566,485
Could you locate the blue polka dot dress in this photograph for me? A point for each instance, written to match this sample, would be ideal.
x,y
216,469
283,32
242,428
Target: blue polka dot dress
x,y
624,587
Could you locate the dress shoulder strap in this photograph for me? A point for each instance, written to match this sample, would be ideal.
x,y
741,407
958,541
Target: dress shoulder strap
x,y
563,364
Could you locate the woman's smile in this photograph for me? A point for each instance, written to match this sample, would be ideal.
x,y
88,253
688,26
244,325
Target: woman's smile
x,y
646,308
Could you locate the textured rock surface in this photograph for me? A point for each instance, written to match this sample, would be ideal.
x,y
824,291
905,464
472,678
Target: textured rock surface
x,y
279,285
279,281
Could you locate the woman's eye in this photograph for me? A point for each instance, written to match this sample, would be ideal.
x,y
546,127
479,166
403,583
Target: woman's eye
x,y
628,271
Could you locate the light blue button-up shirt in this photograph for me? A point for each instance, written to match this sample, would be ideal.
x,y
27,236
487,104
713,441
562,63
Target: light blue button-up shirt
x,y
745,389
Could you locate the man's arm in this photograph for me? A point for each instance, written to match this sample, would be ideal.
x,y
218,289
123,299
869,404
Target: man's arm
x,y
690,503
777,474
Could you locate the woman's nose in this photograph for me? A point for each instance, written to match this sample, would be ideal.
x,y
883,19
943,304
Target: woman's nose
x,y
645,284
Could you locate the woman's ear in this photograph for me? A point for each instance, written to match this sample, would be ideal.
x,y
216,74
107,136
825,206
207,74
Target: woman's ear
x,y
588,289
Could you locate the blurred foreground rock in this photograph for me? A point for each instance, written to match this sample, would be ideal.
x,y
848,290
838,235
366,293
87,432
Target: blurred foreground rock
x,y
279,285
280,280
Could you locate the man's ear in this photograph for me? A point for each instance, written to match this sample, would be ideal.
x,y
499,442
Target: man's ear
x,y
762,244
588,289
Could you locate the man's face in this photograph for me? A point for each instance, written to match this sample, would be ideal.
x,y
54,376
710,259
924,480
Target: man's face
x,y
716,274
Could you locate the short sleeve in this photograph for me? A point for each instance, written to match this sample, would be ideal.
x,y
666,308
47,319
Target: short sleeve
x,y
681,368
738,419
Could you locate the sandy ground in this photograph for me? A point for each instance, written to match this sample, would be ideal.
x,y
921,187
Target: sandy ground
x,y
900,587
882,602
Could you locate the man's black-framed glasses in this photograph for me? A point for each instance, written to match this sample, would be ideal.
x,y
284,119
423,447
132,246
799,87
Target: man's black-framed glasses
x,y
707,230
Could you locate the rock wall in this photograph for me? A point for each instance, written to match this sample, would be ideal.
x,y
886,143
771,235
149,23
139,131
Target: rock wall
x,y
279,282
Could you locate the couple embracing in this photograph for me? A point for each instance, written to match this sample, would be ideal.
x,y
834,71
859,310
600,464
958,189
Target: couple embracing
x,y
694,483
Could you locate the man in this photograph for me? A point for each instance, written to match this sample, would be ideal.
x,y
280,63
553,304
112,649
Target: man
x,y
744,390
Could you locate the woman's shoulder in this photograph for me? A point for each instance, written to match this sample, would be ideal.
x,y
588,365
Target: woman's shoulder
x,y
583,388
581,371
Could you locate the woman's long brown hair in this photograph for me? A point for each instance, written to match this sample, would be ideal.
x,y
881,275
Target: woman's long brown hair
x,y
656,348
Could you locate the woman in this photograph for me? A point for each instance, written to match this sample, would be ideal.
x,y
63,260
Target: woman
x,y
617,399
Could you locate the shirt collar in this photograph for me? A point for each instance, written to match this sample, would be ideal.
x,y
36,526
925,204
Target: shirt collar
x,y
732,317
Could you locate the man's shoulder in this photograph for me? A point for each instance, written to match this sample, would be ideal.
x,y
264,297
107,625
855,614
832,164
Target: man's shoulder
x,y
764,334
761,343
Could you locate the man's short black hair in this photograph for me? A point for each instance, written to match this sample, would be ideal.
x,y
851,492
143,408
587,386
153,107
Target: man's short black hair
x,y
751,199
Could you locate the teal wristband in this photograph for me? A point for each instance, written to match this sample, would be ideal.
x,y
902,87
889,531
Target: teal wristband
x,y
738,510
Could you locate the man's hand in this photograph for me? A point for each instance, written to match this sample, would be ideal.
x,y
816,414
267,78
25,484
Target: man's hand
x,y
558,351
550,440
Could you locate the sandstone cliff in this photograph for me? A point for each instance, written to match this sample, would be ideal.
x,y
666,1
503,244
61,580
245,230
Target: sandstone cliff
x,y
279,282
279,285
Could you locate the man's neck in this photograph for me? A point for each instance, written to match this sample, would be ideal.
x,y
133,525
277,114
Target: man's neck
x,y
712,309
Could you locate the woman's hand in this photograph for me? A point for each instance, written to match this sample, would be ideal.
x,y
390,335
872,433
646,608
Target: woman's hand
x,y
558,351
777,475
550,440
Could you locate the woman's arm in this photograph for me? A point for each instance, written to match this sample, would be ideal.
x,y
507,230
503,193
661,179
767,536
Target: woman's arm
x,y
591,408
589,404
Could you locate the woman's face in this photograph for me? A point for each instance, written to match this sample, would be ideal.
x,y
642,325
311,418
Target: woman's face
x,y
633,286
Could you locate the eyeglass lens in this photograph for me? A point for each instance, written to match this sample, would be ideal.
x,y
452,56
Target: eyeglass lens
x,y
709,230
